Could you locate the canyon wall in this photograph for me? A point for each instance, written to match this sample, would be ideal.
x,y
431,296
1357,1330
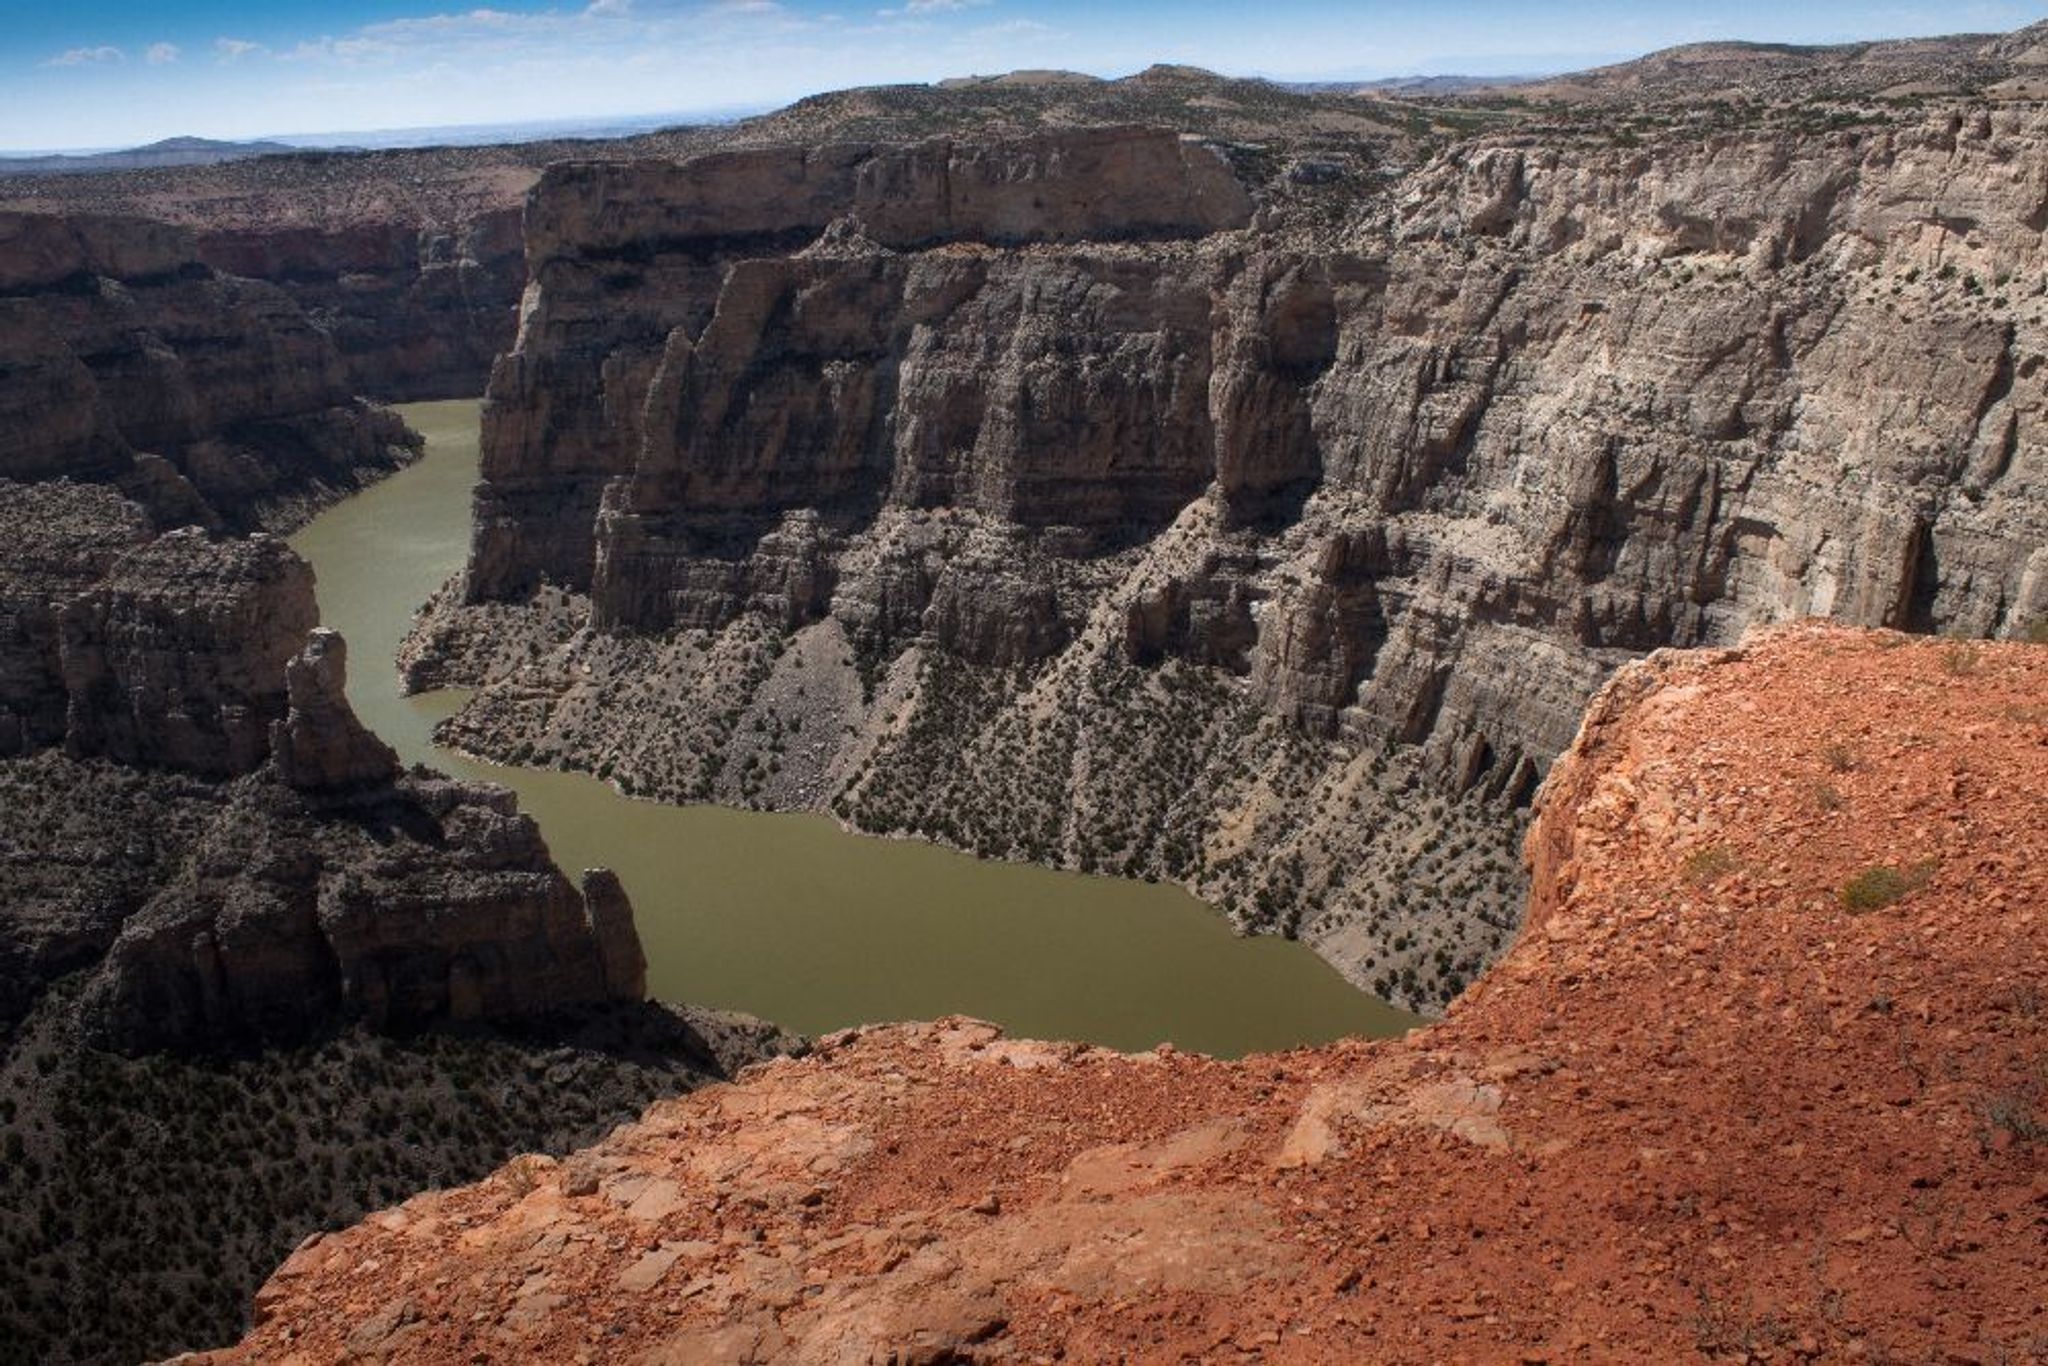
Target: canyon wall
x,y
167,651
155,408
254,979
1277,562
416,309
213,400
303,879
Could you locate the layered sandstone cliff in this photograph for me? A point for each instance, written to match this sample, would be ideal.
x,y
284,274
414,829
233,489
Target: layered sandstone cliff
x,y
409,261
125,359
166,651
411,258
1280,562
253,978
1763,1079
311,880
417,308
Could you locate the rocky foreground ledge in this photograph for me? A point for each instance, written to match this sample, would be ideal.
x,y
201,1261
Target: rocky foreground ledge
x,y
1767,1075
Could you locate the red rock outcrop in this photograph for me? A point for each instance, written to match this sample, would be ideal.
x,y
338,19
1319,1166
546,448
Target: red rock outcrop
x,y
1765,1076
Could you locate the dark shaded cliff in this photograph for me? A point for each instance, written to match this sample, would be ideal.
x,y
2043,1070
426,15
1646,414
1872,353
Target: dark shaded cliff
x,y
1276,563
254,979
127,360
308,880
416,309
146,390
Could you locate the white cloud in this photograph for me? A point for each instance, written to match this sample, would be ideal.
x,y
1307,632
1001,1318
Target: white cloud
x,y
346,51
470,21
234,49
746,7
924,9
1019,28
602,9
162,54
87,56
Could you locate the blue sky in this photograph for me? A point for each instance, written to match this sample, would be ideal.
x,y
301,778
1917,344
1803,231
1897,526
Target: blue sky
x,y
98,73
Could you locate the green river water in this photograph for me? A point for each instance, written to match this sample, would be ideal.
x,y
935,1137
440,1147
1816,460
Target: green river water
x,y
790,917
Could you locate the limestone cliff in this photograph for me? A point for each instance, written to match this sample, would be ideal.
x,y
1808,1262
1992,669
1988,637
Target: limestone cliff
x,y
166,651
1278,561
420,902
125,359
416,309
1765,1078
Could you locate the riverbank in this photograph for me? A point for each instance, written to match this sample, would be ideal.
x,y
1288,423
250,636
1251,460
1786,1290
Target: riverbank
x,y
787,916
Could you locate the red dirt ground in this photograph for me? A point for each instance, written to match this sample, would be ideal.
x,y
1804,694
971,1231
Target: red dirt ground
x,y
1703,1107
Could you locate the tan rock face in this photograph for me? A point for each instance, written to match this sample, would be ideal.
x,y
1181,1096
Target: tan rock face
x,y
320,746
416,310
1707,1101
1422,484
126,359
1081,185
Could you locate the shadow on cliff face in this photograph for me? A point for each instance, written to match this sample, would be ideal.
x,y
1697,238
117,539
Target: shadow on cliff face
x,y
254,979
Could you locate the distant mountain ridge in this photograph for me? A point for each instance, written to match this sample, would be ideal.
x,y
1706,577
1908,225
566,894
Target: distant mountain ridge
x,y
1995,65
168,152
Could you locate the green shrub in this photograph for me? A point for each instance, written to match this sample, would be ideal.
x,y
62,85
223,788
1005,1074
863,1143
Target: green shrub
x,y
1710,864
1960,660
1875,888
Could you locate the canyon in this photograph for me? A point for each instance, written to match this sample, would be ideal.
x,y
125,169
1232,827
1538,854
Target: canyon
x,y
193,650
412,260
1761,1080
935,486
233,928
207,399
785,915
1290,495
